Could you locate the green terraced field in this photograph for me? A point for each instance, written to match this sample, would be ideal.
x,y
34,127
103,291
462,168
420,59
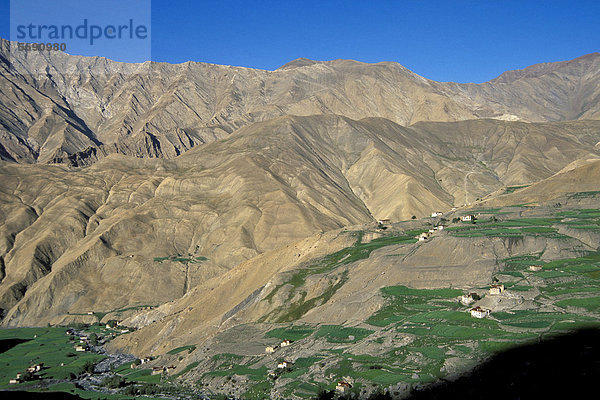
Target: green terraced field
x,y
340,334
48,345
292,333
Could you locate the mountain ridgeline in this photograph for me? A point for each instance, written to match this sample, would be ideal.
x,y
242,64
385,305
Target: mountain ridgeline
x,y
58,108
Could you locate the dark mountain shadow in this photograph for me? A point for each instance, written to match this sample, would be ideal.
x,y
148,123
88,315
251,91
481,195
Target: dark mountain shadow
x,y
21,395
7,344
560,367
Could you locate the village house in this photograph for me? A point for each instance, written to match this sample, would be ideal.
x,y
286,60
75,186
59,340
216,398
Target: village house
x,y
436,214
432,230
14,381
384,221
496,289
157,370
343,386
535,268
284,364
479,312
467,299
440,227
80,348
285,343
270,349
145,360
423,236
467,218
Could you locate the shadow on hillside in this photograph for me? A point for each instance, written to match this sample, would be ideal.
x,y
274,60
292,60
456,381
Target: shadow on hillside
x,y
7,344
21,395
559,367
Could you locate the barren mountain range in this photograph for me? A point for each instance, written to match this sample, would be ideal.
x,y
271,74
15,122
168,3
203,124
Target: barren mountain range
x,y
74,110
197,185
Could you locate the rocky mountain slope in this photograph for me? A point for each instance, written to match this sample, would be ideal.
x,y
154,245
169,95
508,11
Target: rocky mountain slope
x,y
57,108
70,236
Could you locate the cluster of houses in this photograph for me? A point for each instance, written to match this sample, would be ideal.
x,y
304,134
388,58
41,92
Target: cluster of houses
x,y
82,344
271,349
426,235
31,369
479,312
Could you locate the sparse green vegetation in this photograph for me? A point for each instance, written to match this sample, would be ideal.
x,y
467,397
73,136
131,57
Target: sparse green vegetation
x,y
177,350
358,251
511,189
184,260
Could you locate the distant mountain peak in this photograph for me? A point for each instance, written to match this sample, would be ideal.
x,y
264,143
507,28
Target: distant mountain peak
x,y
297,63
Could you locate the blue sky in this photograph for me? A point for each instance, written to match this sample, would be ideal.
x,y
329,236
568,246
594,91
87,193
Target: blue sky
x,y
458,40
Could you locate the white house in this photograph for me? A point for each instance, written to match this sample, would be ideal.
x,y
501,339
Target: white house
x,y
283,364
285,343
440,227
35,367
535,268
436,214
14,381
432,231
270,349
80,348
384,221
467,218
423,236
467,299
496,289
479,312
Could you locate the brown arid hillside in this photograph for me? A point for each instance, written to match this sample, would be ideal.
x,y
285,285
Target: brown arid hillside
x,y
57,108
145,231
